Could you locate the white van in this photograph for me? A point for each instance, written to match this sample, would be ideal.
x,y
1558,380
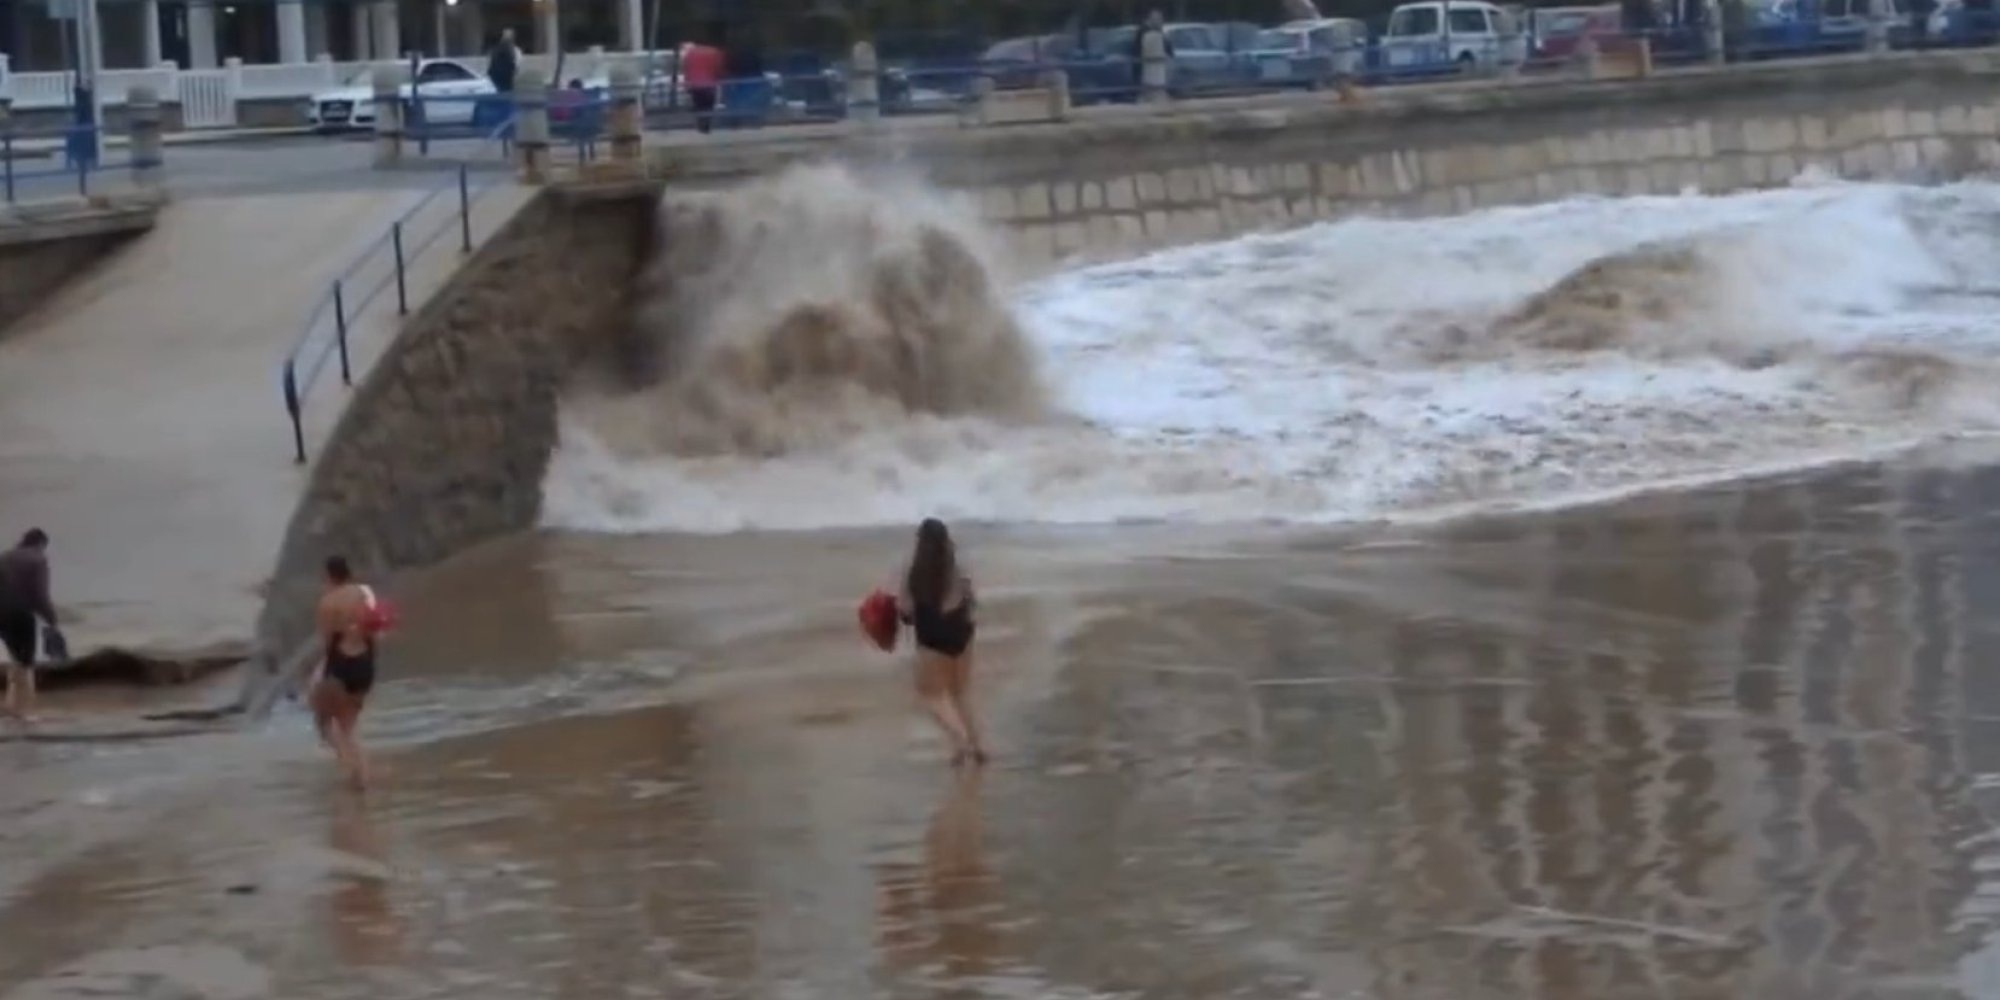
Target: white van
x,y
1439,33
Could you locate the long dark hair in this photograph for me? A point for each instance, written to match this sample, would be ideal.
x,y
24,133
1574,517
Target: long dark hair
x,y
934,565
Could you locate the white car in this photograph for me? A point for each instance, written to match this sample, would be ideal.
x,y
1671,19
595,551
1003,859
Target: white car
x,y
1477,34
353,106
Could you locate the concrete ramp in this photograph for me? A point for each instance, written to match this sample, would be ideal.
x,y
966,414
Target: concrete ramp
x,y
140,416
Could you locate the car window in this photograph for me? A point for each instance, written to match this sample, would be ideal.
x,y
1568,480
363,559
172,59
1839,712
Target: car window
x,y
1468,22
1324,39
439,72
1414,21
1191,39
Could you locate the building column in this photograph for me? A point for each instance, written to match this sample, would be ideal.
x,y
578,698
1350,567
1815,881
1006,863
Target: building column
x,y
317,42
150,39
361,29
631,25
292,32
201,35
441,27
471,29
388,31
548,27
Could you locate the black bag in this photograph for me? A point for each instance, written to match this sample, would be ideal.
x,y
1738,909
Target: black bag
x,y
55,648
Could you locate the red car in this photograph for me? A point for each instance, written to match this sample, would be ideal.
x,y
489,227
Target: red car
x,y
1560,30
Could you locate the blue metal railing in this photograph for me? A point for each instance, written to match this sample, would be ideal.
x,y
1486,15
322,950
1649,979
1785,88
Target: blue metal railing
x,y
74,147
327,331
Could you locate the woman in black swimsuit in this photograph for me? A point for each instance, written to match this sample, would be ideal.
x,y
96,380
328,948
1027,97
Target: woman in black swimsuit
x,y
937,603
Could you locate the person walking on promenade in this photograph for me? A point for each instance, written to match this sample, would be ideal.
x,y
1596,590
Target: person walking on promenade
x,y
937,602
701,73
24,595
504,62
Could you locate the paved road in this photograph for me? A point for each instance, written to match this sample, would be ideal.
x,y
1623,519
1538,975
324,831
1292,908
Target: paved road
x,y
263,166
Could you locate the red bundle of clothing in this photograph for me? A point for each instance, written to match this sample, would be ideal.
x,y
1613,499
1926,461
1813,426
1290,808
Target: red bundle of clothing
x,y
878,620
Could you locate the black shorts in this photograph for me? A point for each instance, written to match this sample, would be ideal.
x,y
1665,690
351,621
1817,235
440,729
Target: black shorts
x,y
355,674
17,633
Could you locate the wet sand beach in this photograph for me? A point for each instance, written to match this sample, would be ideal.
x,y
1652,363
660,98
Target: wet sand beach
x,y
1737,742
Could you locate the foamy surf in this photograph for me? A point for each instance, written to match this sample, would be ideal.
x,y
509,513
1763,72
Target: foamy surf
x,y
1372,369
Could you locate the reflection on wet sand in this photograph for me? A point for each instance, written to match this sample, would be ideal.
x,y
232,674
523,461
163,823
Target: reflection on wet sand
x,y
1729,744
937,915
366,927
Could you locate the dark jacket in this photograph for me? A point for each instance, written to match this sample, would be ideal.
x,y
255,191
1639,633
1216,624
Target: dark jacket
x,y
24,584
501,67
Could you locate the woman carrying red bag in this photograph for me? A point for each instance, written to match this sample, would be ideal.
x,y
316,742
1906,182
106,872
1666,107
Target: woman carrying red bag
x,y
937,603
351,618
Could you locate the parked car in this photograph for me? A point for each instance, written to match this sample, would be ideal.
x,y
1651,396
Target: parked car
x,y
352,106
1419,41
1309,53
1559,31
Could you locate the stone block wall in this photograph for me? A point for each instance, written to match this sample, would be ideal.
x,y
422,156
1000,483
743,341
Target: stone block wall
x,y
1120,180
43,246
445,443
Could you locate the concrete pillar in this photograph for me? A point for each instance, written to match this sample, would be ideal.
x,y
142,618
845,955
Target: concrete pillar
x,y
292,32
318,43
864,86
441,27
1642,58
388,31
149,46
1056,81
548,27
388,117
531,123
626,123
1152,66
1589,60
631,25
201,36
142,119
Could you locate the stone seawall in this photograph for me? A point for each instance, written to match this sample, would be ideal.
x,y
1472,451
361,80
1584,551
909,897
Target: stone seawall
x,y
44,245
445,442
1119,180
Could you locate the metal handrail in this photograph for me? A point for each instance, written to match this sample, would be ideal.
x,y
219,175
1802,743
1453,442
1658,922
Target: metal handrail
x,y
311,353
79,167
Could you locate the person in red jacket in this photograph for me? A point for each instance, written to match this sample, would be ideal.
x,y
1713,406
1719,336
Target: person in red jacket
x,y
701,74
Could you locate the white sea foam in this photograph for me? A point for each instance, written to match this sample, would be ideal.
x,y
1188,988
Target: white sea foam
x,y
1378,368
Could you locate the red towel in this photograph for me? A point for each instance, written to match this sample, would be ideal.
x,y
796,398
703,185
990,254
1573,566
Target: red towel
x,y
377,615
878,620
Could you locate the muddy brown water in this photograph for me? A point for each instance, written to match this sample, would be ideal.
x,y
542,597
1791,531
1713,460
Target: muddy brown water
x,y
1737,742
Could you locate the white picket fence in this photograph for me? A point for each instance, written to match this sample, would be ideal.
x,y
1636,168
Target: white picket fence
x,y
209,97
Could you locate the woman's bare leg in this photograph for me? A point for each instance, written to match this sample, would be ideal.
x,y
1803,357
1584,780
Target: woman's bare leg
x,y
934,688
958,680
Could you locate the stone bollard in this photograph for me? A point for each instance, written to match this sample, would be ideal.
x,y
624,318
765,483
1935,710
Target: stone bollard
x,y
142,121
1056,81
973,113
1153,66
1589,58
1642,58
388,117
864,84
625,118
1879,15
531,124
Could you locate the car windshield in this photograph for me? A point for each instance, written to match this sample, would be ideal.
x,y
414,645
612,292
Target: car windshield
x,y
1567,23
1111,40
1275,40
